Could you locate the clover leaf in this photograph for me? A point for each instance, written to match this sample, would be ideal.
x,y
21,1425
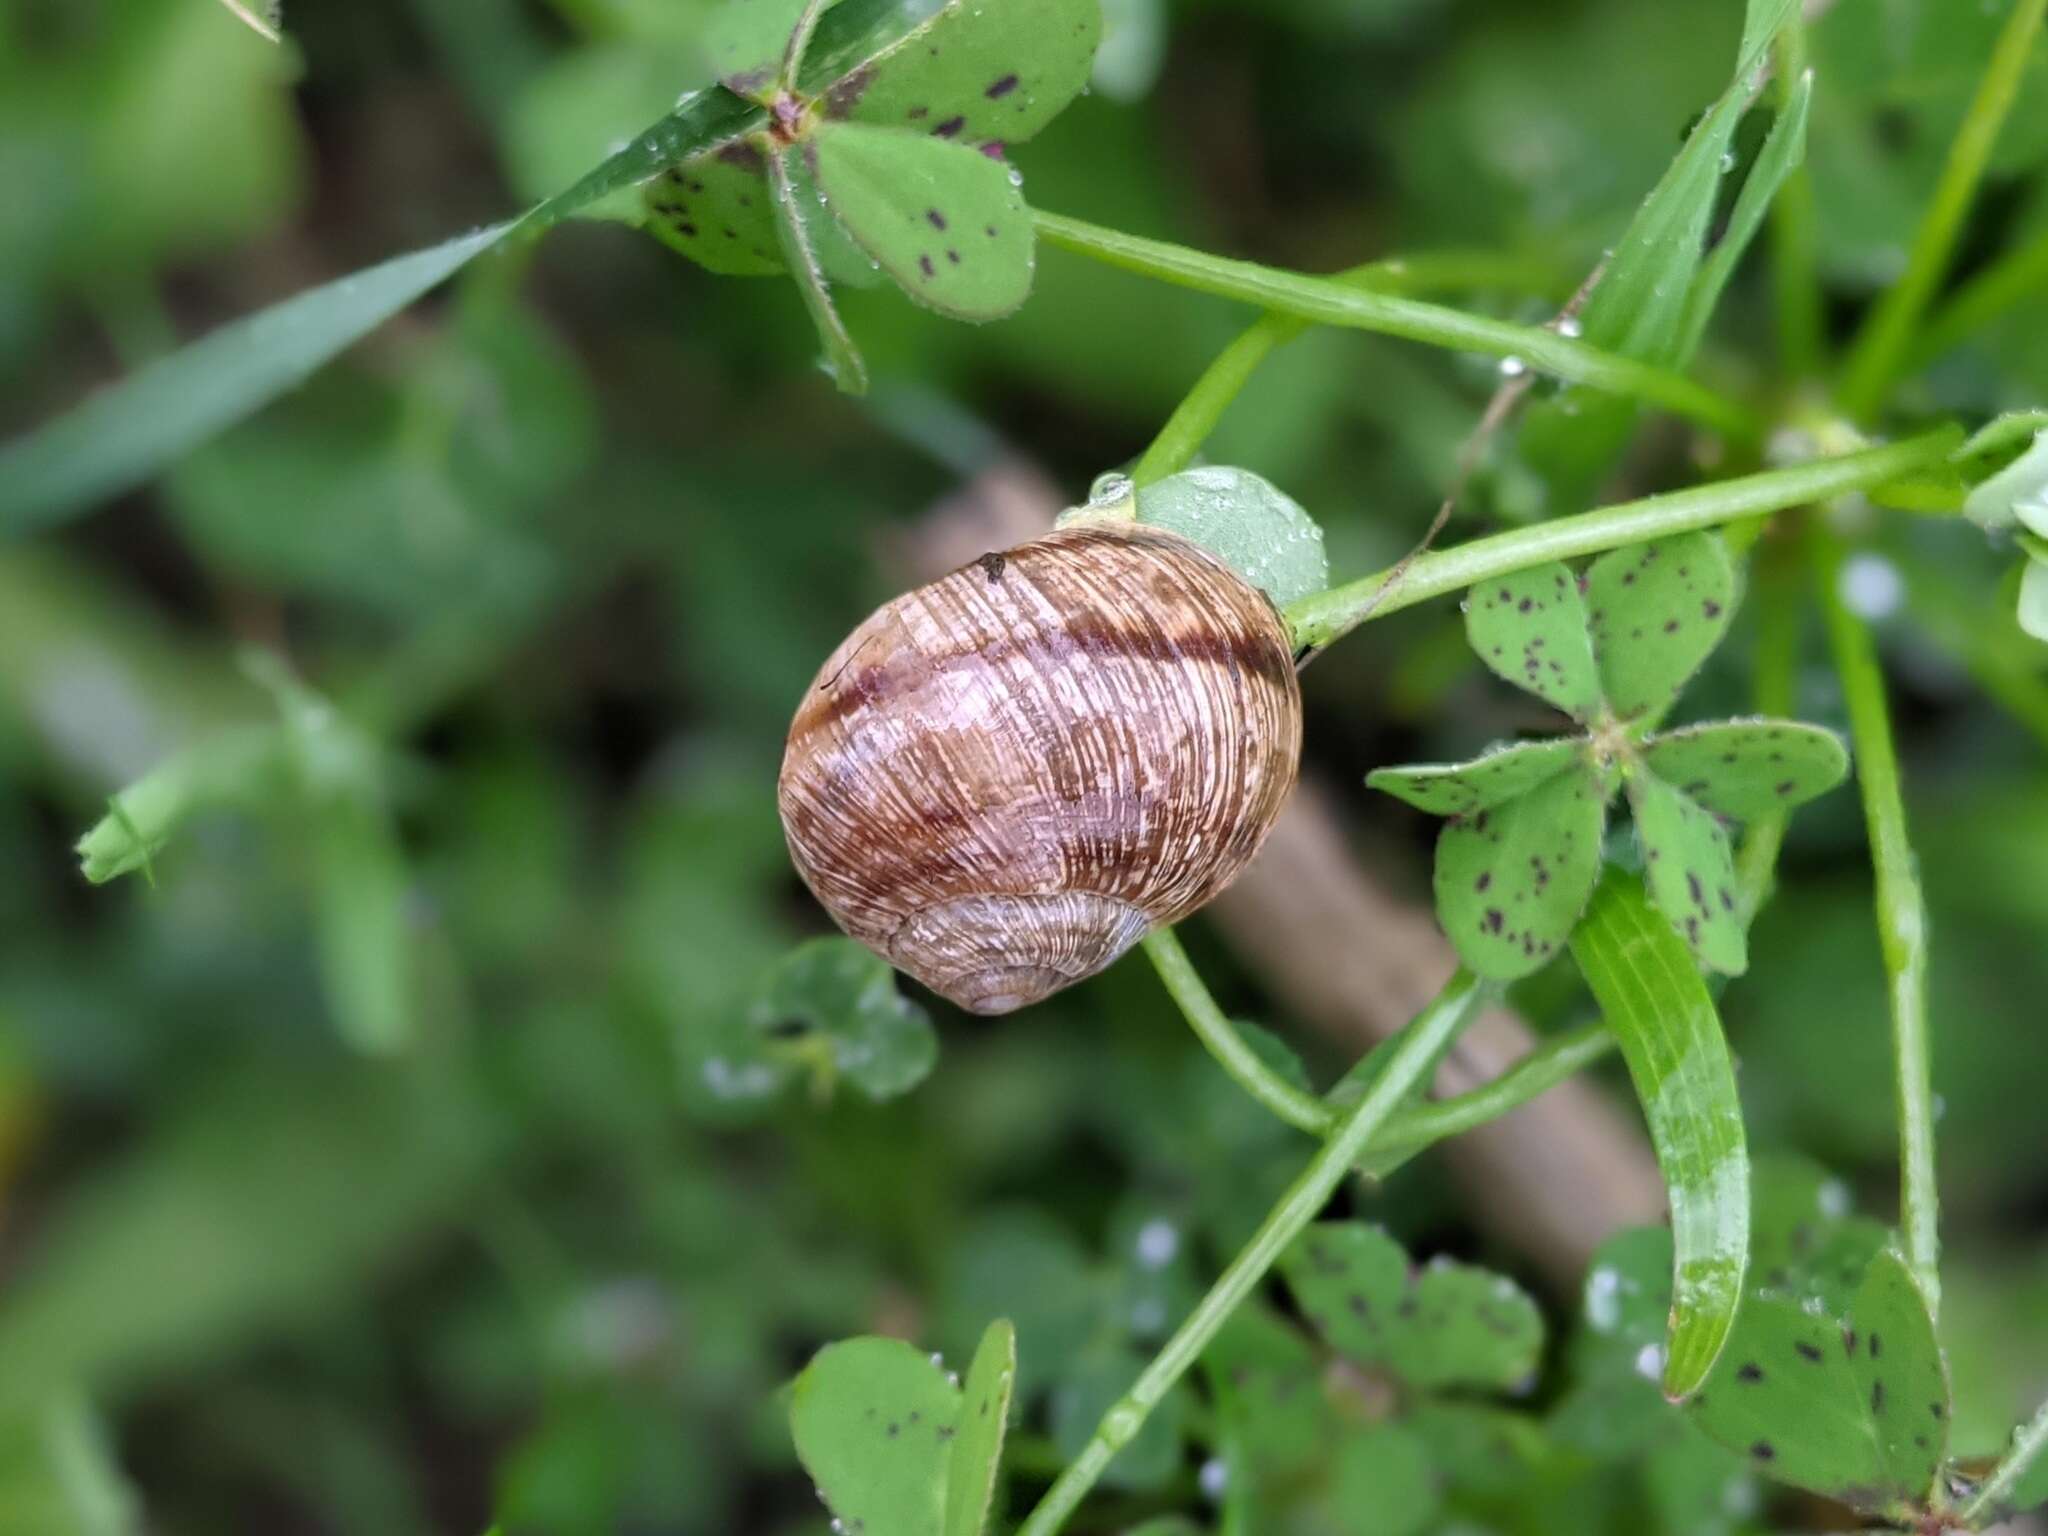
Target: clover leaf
x,y
887,163
1612,648
828,1009
2016,499
1406,1350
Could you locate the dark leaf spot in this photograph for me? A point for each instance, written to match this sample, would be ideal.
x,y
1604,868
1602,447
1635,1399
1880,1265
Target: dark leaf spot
x,y
950,128
938,219
1001,88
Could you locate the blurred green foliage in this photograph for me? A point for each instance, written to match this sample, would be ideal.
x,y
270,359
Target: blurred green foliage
x,y
560,548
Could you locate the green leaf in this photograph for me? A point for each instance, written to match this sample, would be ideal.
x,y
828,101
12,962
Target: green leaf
x,y
984,1420
1247,522
360,892
1657,1005
1384,1468
1657,611
1690,871
2033,608
874,1422
1262,1374
1810,1402
1024,1266
2018,493
60,1476
788,175
1762,20
1446,1325
1804,1239
977,72
715,209
241,765
1531,629
129,431
1781,154
1459,789
1613,1409
1748,768
1511,881
834,1001
1481,1450
944,220
745,40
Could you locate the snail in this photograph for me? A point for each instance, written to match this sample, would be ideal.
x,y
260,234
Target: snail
x,y
1002,781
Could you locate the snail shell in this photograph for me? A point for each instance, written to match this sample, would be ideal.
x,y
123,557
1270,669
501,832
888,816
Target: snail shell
x,y
1002,781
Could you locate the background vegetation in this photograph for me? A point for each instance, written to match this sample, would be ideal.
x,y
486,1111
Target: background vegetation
x,y
286,1247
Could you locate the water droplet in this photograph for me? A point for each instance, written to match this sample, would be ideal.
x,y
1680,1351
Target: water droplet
x,y
1016,177
1727,161
1650,1362
1512,367
1158,1242
1871,586
1603,1300
1109,488
1214,1478
1570,329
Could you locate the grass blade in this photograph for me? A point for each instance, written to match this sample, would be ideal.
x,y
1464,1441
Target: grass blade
x,y
1657,1006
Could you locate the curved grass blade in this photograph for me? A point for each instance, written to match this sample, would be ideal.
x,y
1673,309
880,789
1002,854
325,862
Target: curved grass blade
x,y
944,220
1657,1005
129,431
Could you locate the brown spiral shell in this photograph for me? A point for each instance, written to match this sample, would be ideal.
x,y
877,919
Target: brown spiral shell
x,y
1002,781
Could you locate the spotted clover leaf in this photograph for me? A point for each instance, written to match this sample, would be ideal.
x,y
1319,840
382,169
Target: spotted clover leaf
x,y
883,163
1611,648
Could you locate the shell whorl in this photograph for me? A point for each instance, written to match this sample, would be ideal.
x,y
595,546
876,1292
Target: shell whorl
x,y
1003,780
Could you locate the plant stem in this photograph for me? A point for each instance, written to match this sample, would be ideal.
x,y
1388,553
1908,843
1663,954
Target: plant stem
x,y
1181,438
1298,1107
1328,302
2028,1442
1424,1037
1777,667
2012,279
1881,347
1901,914
1322,617
1795,266
1422,1126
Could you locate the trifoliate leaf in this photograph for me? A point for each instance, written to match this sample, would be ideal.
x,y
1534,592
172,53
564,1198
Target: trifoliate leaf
x,y
1247,522
1746,768
1656,612
1459,789
715,209
832,1002
944,220
1854,1409
1444,1325
1530,628
978,71
1690,871
1511,881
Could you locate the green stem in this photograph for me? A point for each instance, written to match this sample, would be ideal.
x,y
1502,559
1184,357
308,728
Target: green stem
x,y
1901,914
1777,669
2028,1442
1795,266
1299,1108
1881,348
1322,617
1181,438
1425,1036
1418,1128
2012,279
1328,302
